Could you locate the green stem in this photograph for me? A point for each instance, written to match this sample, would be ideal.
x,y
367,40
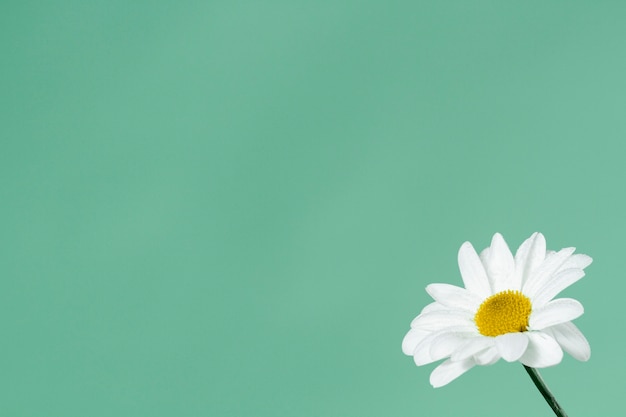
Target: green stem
x,y
543,389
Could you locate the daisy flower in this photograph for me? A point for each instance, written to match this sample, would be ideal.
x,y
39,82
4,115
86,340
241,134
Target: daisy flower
x,y
506,310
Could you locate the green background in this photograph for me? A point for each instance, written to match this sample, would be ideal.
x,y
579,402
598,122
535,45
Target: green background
x,y
232,208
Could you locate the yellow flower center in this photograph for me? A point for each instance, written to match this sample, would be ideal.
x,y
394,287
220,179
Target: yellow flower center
x,y
504,312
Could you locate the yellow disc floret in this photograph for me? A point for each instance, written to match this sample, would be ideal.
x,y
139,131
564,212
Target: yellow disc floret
x,y
505,312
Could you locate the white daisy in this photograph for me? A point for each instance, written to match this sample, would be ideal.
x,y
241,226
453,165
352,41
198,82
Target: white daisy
x,y
506,310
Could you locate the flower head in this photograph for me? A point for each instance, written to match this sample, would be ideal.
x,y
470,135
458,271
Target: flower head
x,y
506,310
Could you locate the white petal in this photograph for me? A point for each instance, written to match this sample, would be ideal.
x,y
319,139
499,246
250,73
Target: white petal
x,y
449,371
471,347
433,307
512,346
472,271
528,257
542,351
558,283
443,345
412,339
438,320
488,356
421,353
484,255
579,260
555,312
571,340
453,296
545,271
429,309
499,264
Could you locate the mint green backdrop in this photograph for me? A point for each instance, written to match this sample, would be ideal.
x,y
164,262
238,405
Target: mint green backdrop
x,y
232,208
